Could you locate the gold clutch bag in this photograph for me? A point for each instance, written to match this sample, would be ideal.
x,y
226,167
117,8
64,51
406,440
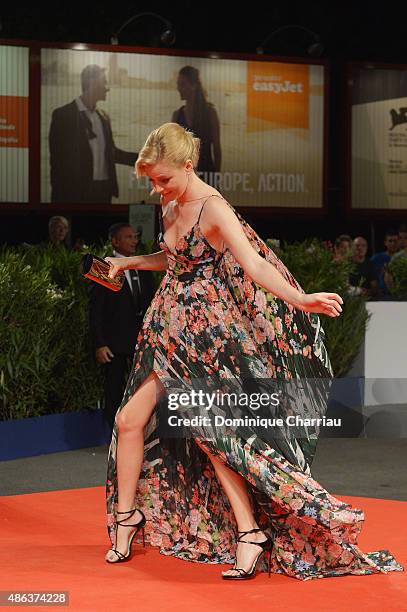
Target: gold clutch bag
x,y
97,270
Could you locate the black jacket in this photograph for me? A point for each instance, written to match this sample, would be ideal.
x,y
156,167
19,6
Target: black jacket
x,y
71,156
112,314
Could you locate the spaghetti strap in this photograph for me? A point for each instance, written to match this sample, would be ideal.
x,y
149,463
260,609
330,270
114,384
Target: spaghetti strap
x,y
216,195
160,221
202,207
210,196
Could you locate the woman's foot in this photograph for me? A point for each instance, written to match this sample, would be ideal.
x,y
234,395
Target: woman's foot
x,y
123,535
246,553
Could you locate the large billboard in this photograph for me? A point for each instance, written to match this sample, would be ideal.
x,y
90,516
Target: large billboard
x,y
379,138
14,62
261,125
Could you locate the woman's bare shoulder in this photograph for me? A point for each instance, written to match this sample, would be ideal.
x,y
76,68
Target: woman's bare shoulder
x,y
218,208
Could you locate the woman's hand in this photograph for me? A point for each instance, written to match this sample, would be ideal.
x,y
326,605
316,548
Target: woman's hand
x,y
322,303
117,265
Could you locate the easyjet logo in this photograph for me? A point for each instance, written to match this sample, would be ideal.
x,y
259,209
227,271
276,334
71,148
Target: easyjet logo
x,y
277,95
277,88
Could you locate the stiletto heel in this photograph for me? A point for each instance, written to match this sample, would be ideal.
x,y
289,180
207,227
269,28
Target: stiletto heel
x,y
266,547
140,525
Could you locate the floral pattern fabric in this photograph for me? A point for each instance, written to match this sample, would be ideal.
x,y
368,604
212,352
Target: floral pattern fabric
x,y
208,321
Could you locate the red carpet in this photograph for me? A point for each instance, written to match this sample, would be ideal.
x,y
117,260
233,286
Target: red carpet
x,y
57,541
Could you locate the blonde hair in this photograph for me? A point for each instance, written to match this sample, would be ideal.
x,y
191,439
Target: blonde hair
x,y
171,143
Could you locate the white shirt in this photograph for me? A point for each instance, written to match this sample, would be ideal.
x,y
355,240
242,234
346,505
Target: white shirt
x,y
98,144
127,274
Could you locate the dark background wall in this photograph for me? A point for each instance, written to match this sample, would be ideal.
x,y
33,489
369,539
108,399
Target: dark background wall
x,y
361,31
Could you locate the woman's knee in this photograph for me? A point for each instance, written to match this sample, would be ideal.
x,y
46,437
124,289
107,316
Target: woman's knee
x,y
128,424
134,416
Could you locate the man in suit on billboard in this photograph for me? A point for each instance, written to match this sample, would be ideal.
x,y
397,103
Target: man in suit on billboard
x,y
116,317
82,150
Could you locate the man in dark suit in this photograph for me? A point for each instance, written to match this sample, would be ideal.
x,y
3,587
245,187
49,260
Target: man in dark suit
x,y
82,150
116,317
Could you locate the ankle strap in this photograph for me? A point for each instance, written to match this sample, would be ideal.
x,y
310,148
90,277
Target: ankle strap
x,y
126,511
140,523
250,531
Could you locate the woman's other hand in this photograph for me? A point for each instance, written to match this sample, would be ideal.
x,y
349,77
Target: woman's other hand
x,y
322,303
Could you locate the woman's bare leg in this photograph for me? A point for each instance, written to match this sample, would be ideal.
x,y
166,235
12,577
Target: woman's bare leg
x,y
131,421
235,488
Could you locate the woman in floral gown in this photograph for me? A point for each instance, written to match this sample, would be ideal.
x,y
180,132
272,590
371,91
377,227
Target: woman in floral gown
x,y
227,315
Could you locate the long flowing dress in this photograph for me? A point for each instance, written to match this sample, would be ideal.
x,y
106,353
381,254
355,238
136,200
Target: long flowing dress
x,y
209,324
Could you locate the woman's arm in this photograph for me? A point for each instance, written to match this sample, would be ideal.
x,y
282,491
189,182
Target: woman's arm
x,y
220,223
156,261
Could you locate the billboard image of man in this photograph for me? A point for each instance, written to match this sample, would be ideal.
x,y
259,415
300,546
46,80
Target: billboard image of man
x,y
82,150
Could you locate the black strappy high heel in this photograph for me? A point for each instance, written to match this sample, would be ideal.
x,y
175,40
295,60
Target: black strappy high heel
x,y
266,546
139,525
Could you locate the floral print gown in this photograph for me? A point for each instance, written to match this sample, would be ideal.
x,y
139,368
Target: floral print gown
x,y
208,321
